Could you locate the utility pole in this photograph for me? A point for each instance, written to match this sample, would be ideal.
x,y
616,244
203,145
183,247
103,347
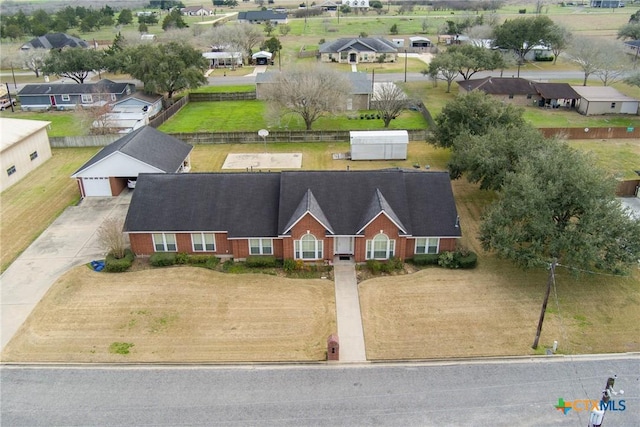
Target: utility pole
x,y
550,280
405,65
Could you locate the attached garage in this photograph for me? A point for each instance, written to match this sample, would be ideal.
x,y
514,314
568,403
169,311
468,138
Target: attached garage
x,y
379,145
144,150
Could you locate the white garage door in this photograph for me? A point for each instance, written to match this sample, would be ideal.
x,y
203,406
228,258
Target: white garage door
x,y
96,187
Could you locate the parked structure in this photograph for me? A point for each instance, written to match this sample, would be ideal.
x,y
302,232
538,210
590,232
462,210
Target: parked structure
x,y
359,49
68,96
223,59
197,11
604,100
130,113
309,216
379,144
24,145
144,150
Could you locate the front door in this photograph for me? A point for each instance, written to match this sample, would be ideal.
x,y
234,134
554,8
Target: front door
x,y
52,99
343,246
353,57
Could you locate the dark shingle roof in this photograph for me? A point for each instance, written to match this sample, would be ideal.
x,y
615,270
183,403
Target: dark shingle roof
x,y
101,87
500,85
261,15
55,41
149,146
244,204
556,90
267,204
360,44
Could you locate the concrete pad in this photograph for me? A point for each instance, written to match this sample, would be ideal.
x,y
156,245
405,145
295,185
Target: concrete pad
x,y
263,161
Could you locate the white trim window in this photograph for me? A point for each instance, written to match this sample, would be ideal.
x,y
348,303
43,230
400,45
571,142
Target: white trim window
x,y
86,98
427,245
260,246
113,97
308,247
65,97
203,242
380,247
164,242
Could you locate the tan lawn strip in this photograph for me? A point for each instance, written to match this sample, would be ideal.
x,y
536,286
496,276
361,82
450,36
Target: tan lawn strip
x,y
28,207
493,311
178,314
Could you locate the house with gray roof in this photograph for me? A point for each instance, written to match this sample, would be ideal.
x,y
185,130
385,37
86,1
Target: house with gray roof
x,y
145,150
360,94
304,215
68,96
54,41
357,50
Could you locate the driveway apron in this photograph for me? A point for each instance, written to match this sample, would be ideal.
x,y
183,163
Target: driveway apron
x,y
350,332
70,241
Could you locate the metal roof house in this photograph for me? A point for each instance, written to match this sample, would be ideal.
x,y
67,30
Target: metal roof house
x,y
303,215
379,144
144,150
24,145
68,96
596,100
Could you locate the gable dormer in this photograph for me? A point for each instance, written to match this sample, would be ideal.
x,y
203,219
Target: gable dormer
x,y
308,205
380,206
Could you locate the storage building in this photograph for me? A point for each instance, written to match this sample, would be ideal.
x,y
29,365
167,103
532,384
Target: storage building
x,y
379,145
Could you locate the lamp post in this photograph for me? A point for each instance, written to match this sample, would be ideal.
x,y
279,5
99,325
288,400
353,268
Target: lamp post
x,y
405,65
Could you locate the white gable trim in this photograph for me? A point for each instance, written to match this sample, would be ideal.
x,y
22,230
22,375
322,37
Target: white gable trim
x,y
302,216
88,172
374,218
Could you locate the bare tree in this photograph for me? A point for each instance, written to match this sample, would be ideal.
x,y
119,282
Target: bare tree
x,y
478,34
33,59
560,38
310,92
111,237
389,100
600,57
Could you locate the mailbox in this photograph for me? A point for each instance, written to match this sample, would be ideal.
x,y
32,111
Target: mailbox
x,y
333,347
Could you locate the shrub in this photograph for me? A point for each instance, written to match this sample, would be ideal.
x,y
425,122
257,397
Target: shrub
x,y
289,265
227,265
261,261
118,265
425,259
182,258
394,264
374,266
522,11
162,259
468,260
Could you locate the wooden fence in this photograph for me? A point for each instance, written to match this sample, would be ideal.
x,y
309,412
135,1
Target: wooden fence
x,y
277,136
592,133
164,115
82,141
223,96
628,188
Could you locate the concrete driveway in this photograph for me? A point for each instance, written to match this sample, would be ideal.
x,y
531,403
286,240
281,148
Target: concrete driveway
x,y
70,241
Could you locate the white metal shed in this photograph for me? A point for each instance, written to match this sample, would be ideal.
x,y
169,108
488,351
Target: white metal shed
x,y
379,144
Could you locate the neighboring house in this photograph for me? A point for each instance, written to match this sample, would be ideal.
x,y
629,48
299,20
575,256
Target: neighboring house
x,y
419,42
196,11
387,88
65,96
24,145
144,150
130,113
327,6
359,96
304,215
223,59
514,90
517,90
54,41
360,49
633,48
607,3
595,100
262,17
539,53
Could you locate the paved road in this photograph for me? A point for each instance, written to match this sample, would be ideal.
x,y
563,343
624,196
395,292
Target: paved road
x,y
483,393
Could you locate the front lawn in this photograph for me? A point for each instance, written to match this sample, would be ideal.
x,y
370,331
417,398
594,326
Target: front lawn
x,y
230,116
63,123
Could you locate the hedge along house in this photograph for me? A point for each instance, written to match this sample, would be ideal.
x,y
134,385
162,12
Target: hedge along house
x,y
144,150
304,215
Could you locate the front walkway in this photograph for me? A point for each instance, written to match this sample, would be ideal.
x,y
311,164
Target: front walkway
x,y
349,319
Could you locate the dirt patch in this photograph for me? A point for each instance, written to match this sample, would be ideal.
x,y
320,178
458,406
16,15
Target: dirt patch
x,y
178,314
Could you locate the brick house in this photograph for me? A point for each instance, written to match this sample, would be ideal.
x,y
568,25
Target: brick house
x,y
306,215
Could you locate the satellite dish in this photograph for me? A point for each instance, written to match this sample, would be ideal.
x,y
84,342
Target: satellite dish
x,y
263,133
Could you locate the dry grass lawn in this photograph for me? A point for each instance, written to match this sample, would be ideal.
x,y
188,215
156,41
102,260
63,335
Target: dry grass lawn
x,y
179,314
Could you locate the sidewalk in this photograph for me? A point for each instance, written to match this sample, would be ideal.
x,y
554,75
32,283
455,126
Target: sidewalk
x,y
349,319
